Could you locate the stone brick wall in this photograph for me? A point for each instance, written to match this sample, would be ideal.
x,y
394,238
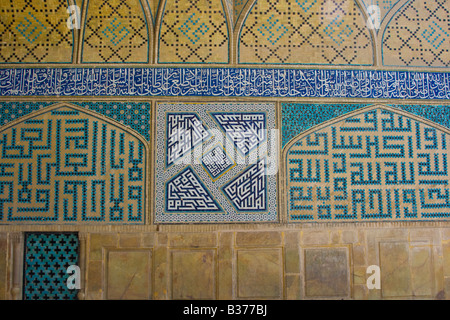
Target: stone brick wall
x,y
266,263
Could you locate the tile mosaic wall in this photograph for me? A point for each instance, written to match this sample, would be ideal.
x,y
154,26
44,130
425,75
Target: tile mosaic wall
x,y
298,117
47,257
330,32
194,31
376,164
115,31
132,114
305,32
35,32
219,163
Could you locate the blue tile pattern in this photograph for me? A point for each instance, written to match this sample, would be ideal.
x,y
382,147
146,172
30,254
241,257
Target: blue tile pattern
x,y
376,165
224,82
47,257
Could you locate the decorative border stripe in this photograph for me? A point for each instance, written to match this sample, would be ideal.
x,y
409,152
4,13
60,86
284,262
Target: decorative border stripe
x,y
225,82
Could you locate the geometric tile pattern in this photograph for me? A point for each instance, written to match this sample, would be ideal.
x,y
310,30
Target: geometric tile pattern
x,y
193,32
377,165
34,32
298,117
245,130
115,31
47,257
305,32
64,165
212,181
419,35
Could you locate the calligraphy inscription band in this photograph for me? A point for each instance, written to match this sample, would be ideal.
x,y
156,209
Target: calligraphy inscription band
x,y
225,82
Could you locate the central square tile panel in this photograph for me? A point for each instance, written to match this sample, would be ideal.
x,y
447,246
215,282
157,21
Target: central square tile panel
x,y
216,163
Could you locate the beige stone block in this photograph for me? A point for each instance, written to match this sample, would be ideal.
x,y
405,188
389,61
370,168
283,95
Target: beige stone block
x,y
395,269
432,234
225,272
266,238
335,236
327,272
226,239
292,252
359,255
148,240
315,237
193,240
422,271
446,294
259,273
161,283
130,240
292,239
162,239
95,278
98,241
360,292
446,254
349,236
392,233
293,287
292,260
3,264
359,275
128,275
193,274
361,236
374,294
